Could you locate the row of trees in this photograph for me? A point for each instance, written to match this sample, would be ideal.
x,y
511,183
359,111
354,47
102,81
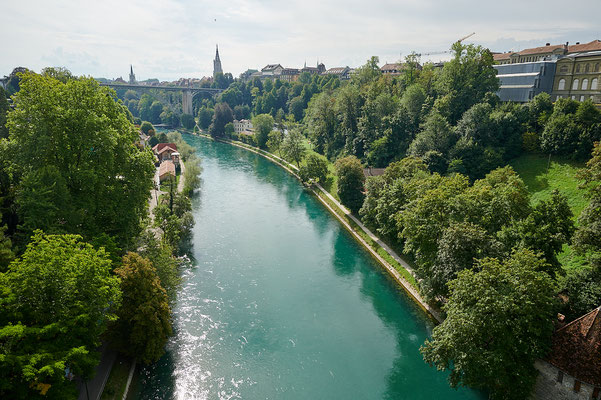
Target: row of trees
x,y
74,194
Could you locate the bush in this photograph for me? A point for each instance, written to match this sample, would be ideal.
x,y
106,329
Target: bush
x,y
530,142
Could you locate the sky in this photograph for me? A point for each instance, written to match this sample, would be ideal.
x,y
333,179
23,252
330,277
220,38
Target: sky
x,y
170,39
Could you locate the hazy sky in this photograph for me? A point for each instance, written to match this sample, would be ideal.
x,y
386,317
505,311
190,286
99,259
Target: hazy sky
x,y
169,39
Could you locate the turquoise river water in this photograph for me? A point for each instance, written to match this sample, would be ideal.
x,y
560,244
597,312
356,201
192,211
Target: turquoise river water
x,y
281,303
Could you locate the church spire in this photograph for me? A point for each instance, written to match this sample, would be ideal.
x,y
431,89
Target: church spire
x,y
132,77
217,63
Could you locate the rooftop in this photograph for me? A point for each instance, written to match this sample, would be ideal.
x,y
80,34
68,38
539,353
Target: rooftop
x,y
576,348
550,48
167,167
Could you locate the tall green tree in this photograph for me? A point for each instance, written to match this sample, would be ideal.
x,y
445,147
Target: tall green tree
x,y
499,322
3,114
293,146
57,300
350,182
221,117
144,322
316,168
465,80
81,172
262,124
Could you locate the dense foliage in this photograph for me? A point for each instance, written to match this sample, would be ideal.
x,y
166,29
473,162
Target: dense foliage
x,y
144,322
57,299
75,166
499,321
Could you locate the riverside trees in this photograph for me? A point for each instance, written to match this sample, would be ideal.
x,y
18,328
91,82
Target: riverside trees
x,y
57,300
76,169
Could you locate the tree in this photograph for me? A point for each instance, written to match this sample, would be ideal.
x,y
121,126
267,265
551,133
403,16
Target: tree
x,y
156,108
499,322
262,124
192,175
274,141
293,146
350,182
57,300
221,116
316,168
465,80
187,121
459,248
204,117
6,253
59,73
147,128
3,114
546,229
144,322
81,172
587,239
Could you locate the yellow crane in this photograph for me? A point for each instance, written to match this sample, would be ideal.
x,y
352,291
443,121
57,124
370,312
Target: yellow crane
x,y
446,51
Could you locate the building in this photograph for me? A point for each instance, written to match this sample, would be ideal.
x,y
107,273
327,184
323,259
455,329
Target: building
x,y
546,52
343,73
572,370
166,171
271,70
217,63
318,70
578,76
396,68
246,75
290,74
244,125
521,82
132,77
163,151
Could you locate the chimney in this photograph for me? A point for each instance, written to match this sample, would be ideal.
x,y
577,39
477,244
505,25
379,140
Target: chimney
x,y
577,42
548,44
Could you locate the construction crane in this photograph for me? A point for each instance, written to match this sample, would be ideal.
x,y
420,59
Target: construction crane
x,y
446,51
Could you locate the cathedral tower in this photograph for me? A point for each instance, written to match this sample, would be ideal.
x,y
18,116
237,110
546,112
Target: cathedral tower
x,y
217,63
132,77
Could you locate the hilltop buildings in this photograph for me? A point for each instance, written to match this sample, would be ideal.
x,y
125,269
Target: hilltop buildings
x,y
563,71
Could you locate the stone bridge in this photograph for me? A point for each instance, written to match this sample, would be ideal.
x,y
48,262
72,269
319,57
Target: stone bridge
x,y
188,93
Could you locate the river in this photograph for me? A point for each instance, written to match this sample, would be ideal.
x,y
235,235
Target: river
x,y
281,303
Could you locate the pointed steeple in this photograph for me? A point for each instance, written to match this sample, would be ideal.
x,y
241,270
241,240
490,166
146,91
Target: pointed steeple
x,y
132,77
217,63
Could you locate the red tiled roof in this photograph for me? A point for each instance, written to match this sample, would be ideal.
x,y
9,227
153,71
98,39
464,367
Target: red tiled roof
x,y
167,167
158,147
576,348
574,48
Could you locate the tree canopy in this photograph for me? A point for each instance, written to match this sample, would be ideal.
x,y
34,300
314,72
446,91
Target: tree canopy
x,y
79,169
499,321
57,300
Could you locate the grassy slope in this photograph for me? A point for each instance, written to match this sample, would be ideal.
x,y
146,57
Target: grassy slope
x,y
541,182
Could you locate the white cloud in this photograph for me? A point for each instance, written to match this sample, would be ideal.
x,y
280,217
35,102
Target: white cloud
x,y
169,39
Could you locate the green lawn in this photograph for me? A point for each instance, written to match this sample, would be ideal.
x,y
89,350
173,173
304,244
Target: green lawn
x,y
542,176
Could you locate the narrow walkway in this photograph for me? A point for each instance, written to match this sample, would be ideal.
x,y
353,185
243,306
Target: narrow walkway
x,y
95,386
180,185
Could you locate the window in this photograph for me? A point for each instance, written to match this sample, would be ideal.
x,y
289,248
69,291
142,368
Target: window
x,y
594,84
587,68
561,85
584,84
563,69
573,97
560,376
582,98
597,67
577,68
576,385
575,84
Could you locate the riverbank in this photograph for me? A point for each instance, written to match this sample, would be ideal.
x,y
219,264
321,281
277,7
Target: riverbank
x,y
397,268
